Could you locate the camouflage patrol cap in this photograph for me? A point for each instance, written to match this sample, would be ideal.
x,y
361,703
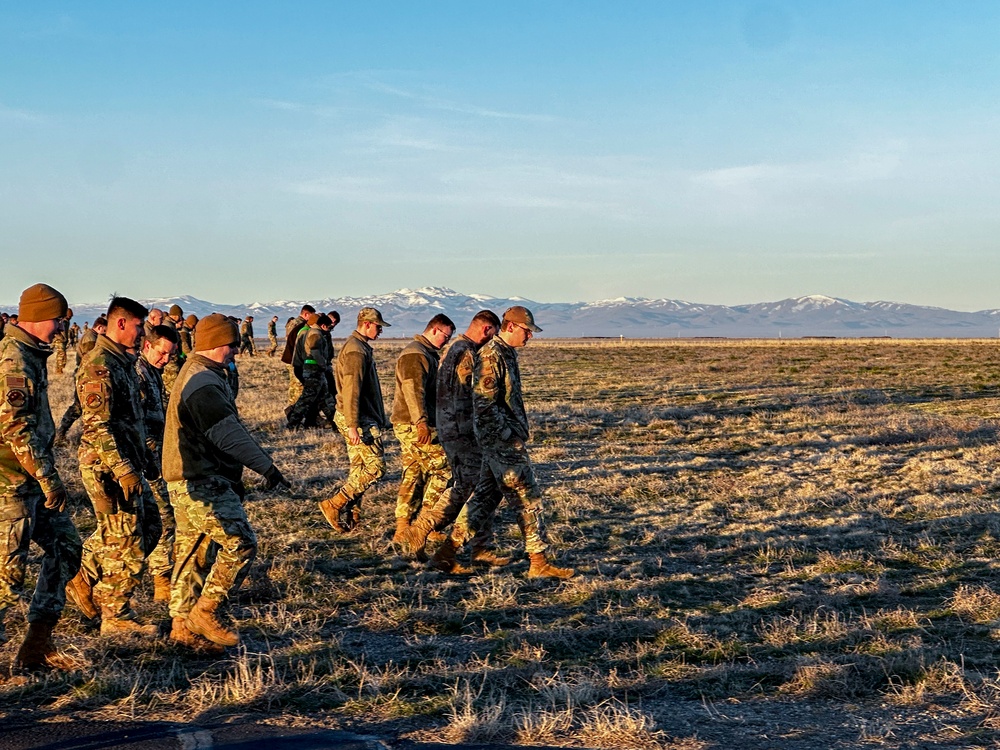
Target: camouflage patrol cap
x,y
521,316
371,315
41,302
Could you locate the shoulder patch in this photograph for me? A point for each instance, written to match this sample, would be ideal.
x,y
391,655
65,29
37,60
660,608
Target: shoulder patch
x,y
489,381
16,381
94,401
91,387
17,397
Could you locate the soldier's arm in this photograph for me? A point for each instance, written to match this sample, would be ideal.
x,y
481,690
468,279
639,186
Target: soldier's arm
x,y
19,428
412,372
490,417
93,386
215,416
349,384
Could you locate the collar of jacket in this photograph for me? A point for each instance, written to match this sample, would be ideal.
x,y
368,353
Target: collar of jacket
x,y
21,335
209,363
112,347
362,339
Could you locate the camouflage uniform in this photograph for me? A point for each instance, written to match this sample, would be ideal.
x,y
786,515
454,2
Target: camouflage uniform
x,y
112,449
426,477
173,366
272,337
312,358
186,343
59,342
205,448
501,426
161,559
27,472
291,337
73,411
73,335
359,405
246,338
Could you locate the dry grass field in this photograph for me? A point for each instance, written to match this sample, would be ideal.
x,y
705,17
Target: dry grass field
x,y
785,544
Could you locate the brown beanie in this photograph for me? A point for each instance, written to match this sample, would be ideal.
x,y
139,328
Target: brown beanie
x,y
215,330
191,320
175,311
41,302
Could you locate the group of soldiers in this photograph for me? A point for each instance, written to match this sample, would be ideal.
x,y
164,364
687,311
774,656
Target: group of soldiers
x,y
163,449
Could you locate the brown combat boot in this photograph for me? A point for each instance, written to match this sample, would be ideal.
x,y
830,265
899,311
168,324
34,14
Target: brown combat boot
x,y
81,593
542,568
331,510
417,534
180,633
111,625
39,652
489,557
161,588
203,621
402,526
445,561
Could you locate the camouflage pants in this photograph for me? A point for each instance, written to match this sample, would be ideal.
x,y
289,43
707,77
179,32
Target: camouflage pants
x,y
60,347
170,372
466,461
315,398
26,519
507,473
247,346
274,345
161,559
294,387
367,459
127,531
215,544
426,479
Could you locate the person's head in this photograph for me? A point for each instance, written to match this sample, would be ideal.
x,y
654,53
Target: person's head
x,y
518,326
176,313
41,312
191,321
249,318
158,345
101,325
125,321
217,338
306,309
69,315
4,317
13,319
370,323
155,316
439,330
483,327
334,317
323,322
274,318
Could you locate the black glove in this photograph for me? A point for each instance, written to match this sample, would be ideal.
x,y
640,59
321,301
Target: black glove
x,y
273,479
56,499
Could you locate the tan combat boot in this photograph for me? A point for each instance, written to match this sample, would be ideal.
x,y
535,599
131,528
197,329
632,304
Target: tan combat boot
x,y
402,526
39,652
112,625
489,557
445,561
81,593
180,633
542,568
417,534
203,621
331,510
161,588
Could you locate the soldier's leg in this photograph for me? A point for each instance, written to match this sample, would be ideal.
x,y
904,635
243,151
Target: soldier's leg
x,y
294,387
15,537
411,483
307,398
161,559
480,508
56,534
192,550
225,523
518,485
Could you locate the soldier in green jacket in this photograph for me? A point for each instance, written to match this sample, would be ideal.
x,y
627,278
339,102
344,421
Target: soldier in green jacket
x,y
114,457
205,449
426,476
360,419
311,364
501,425
32,496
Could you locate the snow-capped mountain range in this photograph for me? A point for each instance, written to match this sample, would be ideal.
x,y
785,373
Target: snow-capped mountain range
x,y
408,310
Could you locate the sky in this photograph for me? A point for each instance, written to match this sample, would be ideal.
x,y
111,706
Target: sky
x,y
716,152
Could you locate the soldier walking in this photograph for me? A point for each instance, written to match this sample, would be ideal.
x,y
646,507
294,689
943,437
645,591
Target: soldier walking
x,y
360,419
426,477
246,336
158,346
292,329
311,364
501,426
113,459
455,429
61,341
205,448
32,496
272,335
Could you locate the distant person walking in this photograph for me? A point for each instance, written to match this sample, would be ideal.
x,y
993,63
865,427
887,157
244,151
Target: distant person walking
x,y
272,335
246,336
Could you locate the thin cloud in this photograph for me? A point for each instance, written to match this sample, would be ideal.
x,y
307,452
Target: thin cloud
x,y
11,114
449,106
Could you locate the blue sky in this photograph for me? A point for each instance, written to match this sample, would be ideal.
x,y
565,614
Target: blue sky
x,y
722,152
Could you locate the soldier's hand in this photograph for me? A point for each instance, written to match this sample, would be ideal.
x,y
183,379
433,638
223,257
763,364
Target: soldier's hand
x,y
131,484
273,478
423,433
56,499
353,436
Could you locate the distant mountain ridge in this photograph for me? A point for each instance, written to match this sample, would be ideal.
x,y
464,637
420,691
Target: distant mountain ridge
x,y
632,317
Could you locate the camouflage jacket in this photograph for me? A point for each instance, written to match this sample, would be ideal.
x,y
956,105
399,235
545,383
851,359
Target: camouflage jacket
x,y
153,399
246,329
87,341
416,383
359,393
272,329
26,428
204,436
498,406
114,434
186,342
453,412
74,334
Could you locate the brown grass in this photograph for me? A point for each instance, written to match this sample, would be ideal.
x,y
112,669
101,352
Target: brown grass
x,y
775,541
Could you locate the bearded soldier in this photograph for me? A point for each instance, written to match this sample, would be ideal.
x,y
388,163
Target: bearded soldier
x,y
32,496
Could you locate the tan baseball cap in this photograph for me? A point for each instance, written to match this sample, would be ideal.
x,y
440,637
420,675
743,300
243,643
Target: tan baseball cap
x,y
371,315
521,316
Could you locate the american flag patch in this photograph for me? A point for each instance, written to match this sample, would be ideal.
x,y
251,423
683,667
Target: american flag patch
x,y
16,381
